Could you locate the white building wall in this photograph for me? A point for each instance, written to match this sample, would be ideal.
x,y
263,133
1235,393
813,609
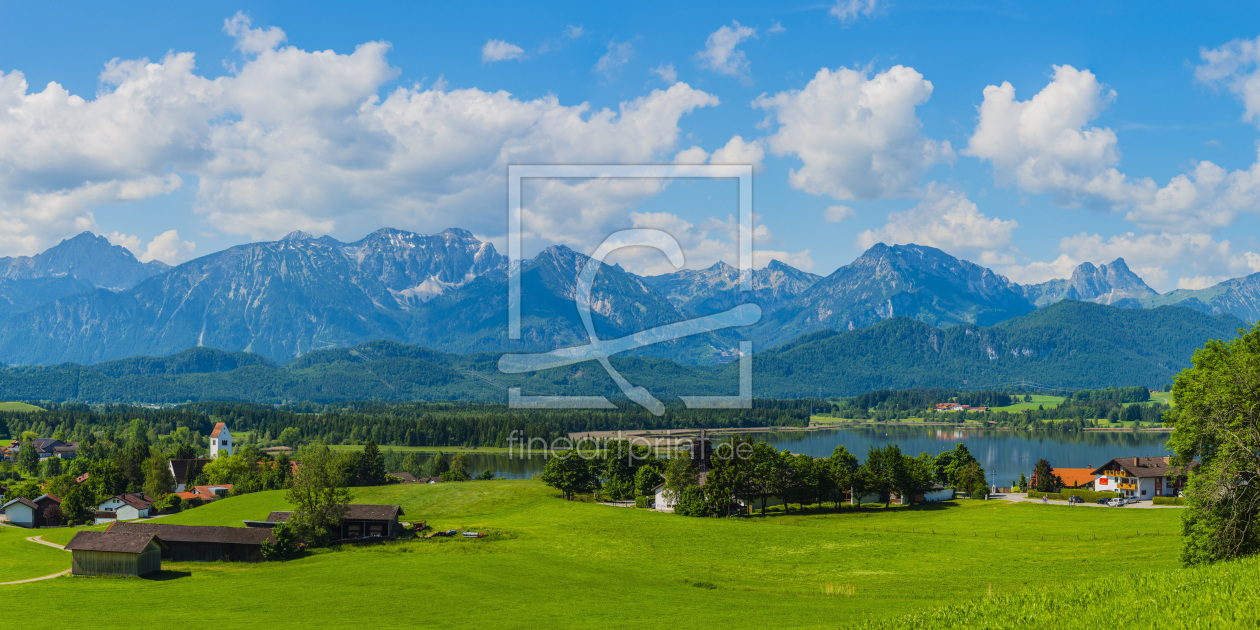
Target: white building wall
x,y
1146,488
130,513
939,495
20,514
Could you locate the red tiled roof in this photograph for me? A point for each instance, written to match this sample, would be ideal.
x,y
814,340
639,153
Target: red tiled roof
x,y
1074,477
218,427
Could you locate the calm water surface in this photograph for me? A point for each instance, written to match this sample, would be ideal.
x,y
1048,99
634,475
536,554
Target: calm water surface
x,y
1004,453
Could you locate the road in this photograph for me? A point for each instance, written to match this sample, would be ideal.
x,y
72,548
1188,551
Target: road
x,y
1017,497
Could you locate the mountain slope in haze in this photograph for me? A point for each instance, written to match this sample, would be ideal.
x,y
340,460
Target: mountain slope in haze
x,y
85,257
21,295
715,289
1239,297
1112,283
915,281
282,299
1066,345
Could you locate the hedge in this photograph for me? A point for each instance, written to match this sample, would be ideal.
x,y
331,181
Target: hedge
x,y
1089,496
643,502
1169,501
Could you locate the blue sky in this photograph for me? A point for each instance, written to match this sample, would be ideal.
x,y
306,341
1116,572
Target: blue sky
x,y
1132,129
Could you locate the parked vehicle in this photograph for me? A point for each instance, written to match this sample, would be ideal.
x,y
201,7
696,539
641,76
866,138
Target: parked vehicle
x,y
1102,501
1116,503
1075,499
1131,500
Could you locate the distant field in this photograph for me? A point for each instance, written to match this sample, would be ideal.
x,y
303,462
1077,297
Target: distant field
x,y
18,406
1049,402
556,563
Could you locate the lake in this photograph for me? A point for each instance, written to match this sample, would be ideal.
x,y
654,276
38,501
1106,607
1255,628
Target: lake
x,y
1006,453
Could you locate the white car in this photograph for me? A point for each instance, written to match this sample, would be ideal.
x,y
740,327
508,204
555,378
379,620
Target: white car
x,y
1116,503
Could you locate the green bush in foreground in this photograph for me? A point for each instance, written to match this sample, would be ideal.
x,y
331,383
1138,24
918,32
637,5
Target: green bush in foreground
x,y
1224,595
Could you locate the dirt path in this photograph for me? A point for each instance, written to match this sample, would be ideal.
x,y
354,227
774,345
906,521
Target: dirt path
x,y
39,540
46,577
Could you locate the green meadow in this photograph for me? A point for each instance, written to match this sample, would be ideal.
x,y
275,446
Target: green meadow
x,y
18,406
1038,400
552,562
21,559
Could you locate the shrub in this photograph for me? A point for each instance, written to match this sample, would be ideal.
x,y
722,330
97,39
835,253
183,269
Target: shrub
x,y
1089,496
691,502
643,502
1169,501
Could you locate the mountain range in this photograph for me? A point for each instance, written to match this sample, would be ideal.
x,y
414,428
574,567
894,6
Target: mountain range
x,y
1066,345
87,301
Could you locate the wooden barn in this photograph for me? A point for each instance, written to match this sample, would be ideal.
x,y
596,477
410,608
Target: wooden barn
x,y
193,543
360,521
115,554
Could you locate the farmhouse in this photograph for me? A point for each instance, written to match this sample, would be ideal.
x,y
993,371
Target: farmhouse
x,y
48,447
206,493
115,554
192,543
186,470
403,477
360,521
21,512
1141,477
128,507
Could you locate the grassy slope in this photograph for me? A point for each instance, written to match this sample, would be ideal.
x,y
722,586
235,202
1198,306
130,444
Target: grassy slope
x,y
18,406
1049,402
1225,595
575,564
21,559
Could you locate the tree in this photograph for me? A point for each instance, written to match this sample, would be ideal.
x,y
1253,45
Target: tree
x,y
438,465
25,490
28,459
971,480
184,450
843,470
1217,425
319,493
646,478
569,473
372,467
50,467
680,473
291,436
882,470
691,502
52,515
158,480
486,475
285,545
1043,477
78,506
767,469
1023,482
458,470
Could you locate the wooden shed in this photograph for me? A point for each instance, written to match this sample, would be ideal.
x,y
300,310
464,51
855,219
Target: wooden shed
x,y
115,554
360,521
194,543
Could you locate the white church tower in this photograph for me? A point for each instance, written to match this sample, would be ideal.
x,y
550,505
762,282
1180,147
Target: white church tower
x,y
220,441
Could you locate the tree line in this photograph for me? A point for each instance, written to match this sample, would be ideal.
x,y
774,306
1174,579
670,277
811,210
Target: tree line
x,y
747,472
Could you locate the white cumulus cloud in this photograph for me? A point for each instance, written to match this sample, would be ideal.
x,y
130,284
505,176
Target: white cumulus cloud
x,y
836,214
721,54
496,50
618,55
857,135
666,72
848,11
948,220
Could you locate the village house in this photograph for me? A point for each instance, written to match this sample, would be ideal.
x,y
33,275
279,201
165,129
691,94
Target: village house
x,y
48,447
193,543
186,470
206,493
115,554
956,407
128,507
220,441
403,477
360,521
1141,477
27,513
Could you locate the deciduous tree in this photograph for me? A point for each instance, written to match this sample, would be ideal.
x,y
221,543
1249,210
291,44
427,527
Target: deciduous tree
x,y
319,493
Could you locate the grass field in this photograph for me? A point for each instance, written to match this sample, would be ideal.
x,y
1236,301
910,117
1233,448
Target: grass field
x,y
558,563
21,559
18,406
1224,595
1049,402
